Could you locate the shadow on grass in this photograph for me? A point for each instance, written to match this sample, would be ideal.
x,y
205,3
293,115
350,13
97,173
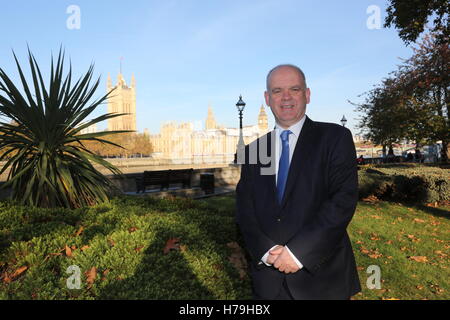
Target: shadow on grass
x,y
172,276
158,277
437,212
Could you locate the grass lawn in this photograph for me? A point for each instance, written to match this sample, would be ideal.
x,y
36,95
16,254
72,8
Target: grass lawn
x,y
122,250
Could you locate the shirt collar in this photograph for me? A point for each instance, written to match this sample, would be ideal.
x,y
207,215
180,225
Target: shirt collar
x,y
295,128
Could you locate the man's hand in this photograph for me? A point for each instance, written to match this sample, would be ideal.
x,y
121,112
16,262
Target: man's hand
x,y
282,260
274,253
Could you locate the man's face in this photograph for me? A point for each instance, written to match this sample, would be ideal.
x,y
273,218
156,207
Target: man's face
x,y
287,96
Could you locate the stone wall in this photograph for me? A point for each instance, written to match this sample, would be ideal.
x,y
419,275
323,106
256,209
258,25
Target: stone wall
x,y
223,176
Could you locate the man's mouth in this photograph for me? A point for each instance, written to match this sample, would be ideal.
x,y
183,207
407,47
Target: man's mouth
x,y
287,107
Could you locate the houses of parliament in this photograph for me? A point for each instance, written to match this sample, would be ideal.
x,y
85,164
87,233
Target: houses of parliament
x,y
180,143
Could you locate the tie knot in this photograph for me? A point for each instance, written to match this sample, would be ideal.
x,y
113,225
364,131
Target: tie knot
x,y
285,135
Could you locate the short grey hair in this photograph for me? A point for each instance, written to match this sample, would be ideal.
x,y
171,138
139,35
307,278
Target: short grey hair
x,y
302,74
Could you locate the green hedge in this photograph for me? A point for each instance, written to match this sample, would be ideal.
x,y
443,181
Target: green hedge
x,y
125,240
405,182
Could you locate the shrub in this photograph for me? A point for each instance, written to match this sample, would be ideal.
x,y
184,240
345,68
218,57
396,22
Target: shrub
x,y
405,182
43,145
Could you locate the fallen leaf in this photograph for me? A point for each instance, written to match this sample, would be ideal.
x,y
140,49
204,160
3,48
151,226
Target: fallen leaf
x,y
375,255
364,251
371,199
79,231
9,278
440,253
84,248
138,248
172,244
419,220
419,258
6,278
104,274
68,251
413,238
91,274
132,229
19,271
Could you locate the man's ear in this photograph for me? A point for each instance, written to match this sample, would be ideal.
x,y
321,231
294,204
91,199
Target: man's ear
x,y
308,95
266,96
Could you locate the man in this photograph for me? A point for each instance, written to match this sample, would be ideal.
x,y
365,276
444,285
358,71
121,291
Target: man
x,y
294,219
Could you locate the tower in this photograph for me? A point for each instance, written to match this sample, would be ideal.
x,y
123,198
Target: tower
x,y
263,122
210,121
122,100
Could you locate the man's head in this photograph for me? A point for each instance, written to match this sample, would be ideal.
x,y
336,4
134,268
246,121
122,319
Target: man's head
x,y
287,94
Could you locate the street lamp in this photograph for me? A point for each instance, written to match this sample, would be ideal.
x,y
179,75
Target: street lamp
x,y
343,121
240,105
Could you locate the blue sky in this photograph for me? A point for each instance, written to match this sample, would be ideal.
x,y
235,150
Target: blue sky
x,y
187,54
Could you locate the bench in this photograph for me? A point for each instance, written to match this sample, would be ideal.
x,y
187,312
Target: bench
x,y
164,178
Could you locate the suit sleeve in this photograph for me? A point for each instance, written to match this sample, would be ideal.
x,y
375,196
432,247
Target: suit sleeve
x,y
256,241
317,241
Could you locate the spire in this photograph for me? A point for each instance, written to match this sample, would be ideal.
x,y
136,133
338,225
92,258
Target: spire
x,y
263,122
133,81
108,81
210,121
120,80
262,111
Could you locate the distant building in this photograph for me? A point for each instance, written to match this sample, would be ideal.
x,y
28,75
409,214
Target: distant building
x,y
91,129
215,144
122,100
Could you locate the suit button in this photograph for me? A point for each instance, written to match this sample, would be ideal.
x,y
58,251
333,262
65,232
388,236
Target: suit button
x,y
279,219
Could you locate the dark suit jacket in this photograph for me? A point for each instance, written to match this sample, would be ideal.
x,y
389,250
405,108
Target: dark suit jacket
x,y
319,201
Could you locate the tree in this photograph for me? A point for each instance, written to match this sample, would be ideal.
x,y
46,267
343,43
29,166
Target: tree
x,y
384,120
131,144
429,85
45,152
411,16
413,102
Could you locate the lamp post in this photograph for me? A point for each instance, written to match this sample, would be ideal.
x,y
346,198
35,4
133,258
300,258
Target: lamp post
x,y
240,105
343,121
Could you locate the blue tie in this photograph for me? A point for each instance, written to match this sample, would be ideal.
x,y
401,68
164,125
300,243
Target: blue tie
x,y
283,167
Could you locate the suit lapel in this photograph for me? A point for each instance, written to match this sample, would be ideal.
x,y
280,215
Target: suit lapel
x,y
303,149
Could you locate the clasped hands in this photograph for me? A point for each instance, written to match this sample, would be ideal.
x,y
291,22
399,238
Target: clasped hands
x,y
281,259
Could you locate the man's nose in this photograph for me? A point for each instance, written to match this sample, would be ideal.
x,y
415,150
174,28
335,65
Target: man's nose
x,y
286,95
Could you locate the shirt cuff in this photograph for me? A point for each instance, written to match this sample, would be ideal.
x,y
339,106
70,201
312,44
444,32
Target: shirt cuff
x,y
294,257
264,258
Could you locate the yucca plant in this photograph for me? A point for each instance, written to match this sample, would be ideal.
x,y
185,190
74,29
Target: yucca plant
x,y
41,140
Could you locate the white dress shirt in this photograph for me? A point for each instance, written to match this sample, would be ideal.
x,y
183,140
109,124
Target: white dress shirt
x,y
295,129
